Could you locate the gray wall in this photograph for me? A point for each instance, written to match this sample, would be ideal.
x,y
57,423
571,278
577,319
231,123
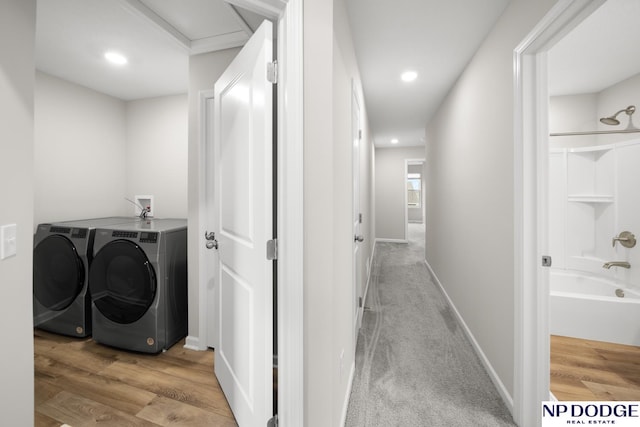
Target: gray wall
x,y
156,153
470,179
329,68
80,167
391,185
93,150
17,68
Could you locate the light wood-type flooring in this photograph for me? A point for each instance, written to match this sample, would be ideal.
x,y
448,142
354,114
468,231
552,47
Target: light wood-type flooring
x,y
81,383
594,370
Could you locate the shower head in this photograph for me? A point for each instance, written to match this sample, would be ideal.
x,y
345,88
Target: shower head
x,y
613,121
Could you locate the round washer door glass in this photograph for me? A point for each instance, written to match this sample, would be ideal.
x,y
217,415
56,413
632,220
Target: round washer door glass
x,y
58,272
122,281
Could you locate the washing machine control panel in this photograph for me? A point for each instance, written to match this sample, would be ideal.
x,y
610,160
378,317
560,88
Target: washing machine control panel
x,y
143,237
128,234
146,237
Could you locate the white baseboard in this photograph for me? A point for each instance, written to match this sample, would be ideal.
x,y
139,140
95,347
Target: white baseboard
x,y
366,286
193,343
345,405
391,240
495,379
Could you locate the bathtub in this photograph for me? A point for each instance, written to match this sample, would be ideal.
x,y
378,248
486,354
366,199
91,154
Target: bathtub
x,y
584,306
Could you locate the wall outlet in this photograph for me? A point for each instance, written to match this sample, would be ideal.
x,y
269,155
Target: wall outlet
x,y
8,241
145,201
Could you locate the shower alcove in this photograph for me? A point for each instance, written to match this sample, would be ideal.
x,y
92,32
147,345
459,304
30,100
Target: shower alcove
x,y
594,195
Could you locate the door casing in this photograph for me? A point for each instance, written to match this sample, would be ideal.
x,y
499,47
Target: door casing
x,y
289,205
531,367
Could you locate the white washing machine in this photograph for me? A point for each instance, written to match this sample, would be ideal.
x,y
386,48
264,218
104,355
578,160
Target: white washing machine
x,y
62,254
138,284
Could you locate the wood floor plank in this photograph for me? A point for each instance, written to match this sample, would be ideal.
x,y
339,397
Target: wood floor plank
x,y
594,370
98,388
203,396
610,392
44,391
81,382
168,412
42,420
79,411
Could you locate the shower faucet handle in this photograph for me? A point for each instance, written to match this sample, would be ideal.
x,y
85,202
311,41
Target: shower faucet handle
x,y
626,239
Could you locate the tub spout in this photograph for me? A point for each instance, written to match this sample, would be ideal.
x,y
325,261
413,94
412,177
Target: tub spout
x,y
610,264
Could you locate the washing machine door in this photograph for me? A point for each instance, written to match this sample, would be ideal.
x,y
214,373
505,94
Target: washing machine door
x,y
122,281
58,272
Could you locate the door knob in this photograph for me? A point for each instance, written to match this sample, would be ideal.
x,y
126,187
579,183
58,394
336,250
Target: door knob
x,y
211,240
359,238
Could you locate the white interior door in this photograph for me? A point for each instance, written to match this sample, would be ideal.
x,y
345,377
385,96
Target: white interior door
x,y
243,225
358,237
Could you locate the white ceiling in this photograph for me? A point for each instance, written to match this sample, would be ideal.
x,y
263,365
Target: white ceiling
x,y
599,52
157,36
433,37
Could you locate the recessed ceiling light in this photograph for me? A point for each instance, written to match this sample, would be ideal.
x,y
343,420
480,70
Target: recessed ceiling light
x,y
115,58
394,141
409,76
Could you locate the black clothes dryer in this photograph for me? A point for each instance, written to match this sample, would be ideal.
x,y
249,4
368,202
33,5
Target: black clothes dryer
x,y
138,283
62,253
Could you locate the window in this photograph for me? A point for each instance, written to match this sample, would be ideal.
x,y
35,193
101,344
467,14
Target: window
x,y
414,190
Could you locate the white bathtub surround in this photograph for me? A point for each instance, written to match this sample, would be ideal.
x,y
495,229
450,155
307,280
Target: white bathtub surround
x,y
593,198
583,305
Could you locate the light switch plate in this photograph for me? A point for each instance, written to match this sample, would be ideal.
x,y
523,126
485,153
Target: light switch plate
x,y
8,243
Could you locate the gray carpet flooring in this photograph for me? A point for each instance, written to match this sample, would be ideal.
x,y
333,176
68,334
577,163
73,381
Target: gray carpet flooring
x,y
414,364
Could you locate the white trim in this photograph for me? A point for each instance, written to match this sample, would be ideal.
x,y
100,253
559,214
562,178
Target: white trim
x,y
290,209
193,343
347,397
366,288
495,379
239,19
383,240
200,342
531,367
207,44
291,372
143,11
271,9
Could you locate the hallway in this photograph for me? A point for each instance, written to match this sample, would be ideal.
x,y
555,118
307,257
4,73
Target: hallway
x,y
414,364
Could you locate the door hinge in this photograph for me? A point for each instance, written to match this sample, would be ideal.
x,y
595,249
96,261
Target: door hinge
x,y
272,72
546,261
273,422
272,249
359,134
359,301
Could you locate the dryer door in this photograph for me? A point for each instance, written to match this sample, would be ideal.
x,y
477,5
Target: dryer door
x,y
58,272
122,281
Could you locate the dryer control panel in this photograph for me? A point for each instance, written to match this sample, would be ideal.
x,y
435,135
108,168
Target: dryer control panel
x,y
148,237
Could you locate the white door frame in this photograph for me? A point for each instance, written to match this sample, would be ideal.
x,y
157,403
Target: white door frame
x,y
289,204
408,162
531,376
356,139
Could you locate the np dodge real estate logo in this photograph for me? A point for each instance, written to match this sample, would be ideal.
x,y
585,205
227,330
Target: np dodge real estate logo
x,y
619,414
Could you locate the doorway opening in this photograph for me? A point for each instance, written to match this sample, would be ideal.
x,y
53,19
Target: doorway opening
x,y
592,211
414,205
